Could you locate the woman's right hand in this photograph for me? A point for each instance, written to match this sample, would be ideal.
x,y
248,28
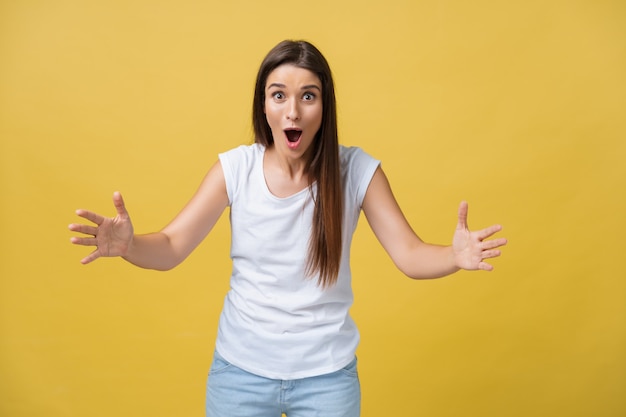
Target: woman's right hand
x,y
110,236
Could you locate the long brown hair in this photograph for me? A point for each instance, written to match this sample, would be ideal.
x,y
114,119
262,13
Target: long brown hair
x,y
324,256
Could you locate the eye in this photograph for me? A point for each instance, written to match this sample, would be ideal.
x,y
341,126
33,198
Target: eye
x,y
308,96
278,95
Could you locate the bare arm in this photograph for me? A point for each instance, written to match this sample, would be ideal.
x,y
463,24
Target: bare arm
x,y
414,257
160,250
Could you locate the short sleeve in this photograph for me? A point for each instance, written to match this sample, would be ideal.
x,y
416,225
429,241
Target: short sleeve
x,y
358,169
237,164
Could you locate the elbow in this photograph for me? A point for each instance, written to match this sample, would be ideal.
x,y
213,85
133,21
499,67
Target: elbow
x,y
413,271
161,265
165,268
410,268
168,264
424,275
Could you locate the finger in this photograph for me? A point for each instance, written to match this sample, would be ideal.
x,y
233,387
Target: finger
x,y
84,241
91,257
484,266
83,228
494,243
489,231
91,216
493,253
120,207
463,208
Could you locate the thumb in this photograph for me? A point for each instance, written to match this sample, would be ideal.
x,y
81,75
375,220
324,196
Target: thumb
x,y
118,202
463,208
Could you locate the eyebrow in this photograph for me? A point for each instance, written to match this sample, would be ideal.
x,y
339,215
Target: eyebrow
x,y
304,87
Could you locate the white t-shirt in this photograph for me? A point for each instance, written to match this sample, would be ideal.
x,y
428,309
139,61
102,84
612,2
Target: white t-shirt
x,y
276,322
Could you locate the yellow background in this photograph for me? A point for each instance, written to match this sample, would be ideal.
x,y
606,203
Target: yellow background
x,y
517,107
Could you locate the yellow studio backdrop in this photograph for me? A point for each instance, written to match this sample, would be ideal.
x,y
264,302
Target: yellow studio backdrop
x,y
517,107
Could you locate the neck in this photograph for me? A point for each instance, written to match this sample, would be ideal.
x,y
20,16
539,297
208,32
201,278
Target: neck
x,y
283,176
289,167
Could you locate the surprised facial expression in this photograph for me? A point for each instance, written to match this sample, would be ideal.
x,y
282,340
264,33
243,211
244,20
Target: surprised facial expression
x,y
293,109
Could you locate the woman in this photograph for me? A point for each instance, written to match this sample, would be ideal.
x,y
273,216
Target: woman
x,y
286,342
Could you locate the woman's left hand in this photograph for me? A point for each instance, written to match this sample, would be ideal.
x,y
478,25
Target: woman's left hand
x,y
471,248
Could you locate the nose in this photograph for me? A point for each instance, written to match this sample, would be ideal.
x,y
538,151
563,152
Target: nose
x,y
293,111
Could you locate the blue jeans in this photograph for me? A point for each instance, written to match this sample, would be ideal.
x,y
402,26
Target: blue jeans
x,y
233,392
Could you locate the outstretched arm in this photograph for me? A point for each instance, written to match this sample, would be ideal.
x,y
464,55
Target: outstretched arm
x,y
161,250
414,257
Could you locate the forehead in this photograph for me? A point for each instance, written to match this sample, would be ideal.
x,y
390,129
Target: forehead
x,y
292,75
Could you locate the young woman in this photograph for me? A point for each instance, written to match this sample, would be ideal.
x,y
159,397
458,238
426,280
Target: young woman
x,y
286,342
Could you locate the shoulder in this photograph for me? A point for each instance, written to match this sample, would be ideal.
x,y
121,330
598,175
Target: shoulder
x,y
241,157
354,158
243,151
357,169
238,164
351,156
350,152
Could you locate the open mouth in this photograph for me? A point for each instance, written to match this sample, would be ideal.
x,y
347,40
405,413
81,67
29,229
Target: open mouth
x,y
293,135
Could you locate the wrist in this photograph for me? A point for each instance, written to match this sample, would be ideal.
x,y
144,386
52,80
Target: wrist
x,y
453,260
